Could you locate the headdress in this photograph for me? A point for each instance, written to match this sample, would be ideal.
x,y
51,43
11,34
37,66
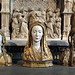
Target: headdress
x,y
44,46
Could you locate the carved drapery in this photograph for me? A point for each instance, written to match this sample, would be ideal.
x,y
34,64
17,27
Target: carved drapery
x,y
37,5
28,11
22,18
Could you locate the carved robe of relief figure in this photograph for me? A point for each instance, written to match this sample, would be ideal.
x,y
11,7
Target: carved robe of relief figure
x,y
37,16
36,52
5,59
24,30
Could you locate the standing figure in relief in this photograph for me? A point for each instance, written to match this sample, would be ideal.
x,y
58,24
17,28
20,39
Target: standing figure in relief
x,y
20,19
57,29
49,14
14,23
36,52
50,31
42,16
5,59
57,25
49,25
24,29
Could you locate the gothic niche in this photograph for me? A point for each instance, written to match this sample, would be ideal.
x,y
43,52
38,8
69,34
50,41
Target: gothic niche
x,y
28,11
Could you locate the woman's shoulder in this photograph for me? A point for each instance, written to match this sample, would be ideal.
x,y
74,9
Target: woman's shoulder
x,y
27,50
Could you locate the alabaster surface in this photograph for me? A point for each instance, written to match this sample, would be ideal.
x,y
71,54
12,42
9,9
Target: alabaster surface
x,y
23,16
18,14
36,51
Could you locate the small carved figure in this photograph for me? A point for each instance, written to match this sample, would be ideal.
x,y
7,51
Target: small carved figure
x,y
36,52
50,22
49,14
68,5
14,23
50,31
57,24
65,57
24,30
15,12
19,24
57,29
5,59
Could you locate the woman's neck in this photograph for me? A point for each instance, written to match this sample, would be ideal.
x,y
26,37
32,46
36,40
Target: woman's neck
x,y
36,44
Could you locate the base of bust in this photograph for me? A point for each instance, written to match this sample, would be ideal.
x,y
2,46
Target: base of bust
x,y
5,65
37,63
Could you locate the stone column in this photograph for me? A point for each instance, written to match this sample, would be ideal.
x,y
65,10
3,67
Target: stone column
x,y
67,19
5,18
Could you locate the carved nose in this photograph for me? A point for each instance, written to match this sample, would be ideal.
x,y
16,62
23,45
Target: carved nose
x,y
37,33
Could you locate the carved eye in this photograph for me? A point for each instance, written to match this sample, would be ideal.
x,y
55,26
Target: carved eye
x,y
39,31
34,32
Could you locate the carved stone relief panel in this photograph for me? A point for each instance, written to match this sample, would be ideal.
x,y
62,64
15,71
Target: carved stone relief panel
x,y
27,11
53,24
19,24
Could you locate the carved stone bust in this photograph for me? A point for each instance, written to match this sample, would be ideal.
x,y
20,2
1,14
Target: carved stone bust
x,y
36,52
5,59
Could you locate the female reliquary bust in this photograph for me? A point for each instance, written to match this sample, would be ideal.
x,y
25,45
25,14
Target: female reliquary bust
x,y
36,52
5,59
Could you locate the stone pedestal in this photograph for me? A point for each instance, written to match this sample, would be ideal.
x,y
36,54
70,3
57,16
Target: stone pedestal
x,y
5,18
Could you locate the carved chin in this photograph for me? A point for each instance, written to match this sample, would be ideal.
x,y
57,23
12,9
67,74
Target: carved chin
x,y
36,40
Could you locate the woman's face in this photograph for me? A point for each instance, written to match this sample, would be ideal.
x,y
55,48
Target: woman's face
x,y
37,33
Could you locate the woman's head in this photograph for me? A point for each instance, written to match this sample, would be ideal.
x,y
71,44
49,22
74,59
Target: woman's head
x,y
37,33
